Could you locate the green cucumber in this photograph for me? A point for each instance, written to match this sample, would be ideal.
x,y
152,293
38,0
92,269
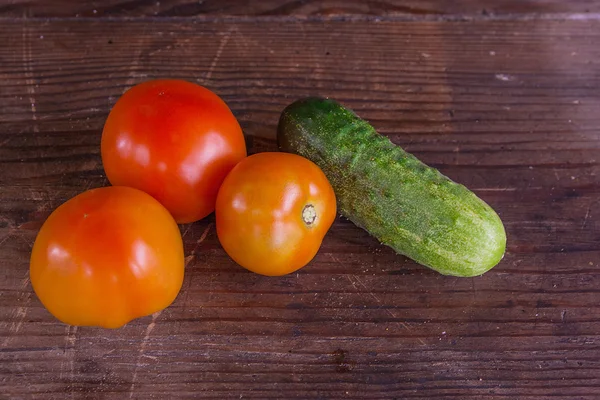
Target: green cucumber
x,y
405,204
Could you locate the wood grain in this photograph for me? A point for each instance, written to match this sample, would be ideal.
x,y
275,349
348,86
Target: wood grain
x,y
509,108
296,8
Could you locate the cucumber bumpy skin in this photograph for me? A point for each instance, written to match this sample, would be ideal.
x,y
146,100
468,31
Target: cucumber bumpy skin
x,y
402,202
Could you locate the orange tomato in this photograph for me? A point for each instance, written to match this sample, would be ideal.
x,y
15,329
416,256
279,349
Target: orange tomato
x,y
107,256
174,140
273,211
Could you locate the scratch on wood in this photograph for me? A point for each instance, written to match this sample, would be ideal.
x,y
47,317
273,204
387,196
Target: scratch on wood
x,y
136,62
186,231
168,47
587,216
171,46
188,260
8,221
203,236
192,256
303,29
88,184
14,232
19,314
215,60
210,288
71,339
189,277
69,354
457,158
5,141
29,76
379,302
249,41
149,330
25,282
352,283
62,363
474,300
24,241
5,238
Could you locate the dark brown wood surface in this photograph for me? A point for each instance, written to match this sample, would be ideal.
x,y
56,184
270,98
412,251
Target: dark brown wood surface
x,y
295,8
506,102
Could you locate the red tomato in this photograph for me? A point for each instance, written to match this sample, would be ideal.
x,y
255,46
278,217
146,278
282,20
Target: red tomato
x,y
273,211
107,256
174,140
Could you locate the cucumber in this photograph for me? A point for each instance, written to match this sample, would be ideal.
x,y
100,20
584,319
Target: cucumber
x,y
402,202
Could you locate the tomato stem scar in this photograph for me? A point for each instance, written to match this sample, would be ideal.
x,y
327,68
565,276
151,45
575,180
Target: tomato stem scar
x,y
309,214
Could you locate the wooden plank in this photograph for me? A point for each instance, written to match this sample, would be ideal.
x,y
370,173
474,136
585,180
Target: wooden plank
x,y
188,8
508,108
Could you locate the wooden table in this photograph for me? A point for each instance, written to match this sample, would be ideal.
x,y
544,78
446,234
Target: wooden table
x,y
502,96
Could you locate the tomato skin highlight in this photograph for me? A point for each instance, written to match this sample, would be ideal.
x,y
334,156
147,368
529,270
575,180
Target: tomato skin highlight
x,y
174,140
273,211
106,257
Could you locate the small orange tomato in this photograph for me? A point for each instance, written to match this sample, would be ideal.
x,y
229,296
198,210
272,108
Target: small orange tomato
x,y
174,140
273,211
107,256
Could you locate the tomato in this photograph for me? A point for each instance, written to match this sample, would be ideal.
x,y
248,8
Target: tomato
x,y
273,211
174,140
107,256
